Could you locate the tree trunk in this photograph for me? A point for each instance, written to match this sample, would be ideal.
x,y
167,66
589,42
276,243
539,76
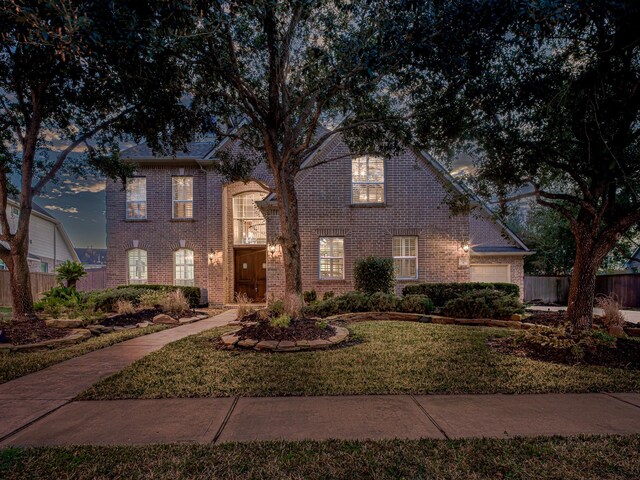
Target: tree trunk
x,y
589,256
20,285
290,241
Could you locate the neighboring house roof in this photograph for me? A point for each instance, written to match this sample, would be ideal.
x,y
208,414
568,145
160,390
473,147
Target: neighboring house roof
x,y
634,261
37,210
92,256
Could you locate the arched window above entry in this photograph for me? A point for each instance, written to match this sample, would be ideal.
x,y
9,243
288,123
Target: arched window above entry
x,y
249,226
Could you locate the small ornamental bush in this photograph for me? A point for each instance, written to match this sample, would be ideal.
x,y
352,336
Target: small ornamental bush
x,y
105,300
416,304
374,274
352,302
613,317
328,295
384,302
276,308
152,299
441,293
283,321
175,303
125,307
325,308
309,296
487,303
244,305
70,272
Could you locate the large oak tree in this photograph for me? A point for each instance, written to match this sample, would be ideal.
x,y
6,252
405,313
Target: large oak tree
x,y
73,76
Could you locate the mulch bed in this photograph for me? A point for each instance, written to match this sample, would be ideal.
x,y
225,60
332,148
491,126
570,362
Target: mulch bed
x,y
625,354
555,319
299,329
31,332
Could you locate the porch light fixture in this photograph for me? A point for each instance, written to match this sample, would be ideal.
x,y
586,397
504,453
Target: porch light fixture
x,y
272,249
212,257
465,247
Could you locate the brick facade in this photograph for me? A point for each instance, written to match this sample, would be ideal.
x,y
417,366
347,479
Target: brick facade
x,y
414,195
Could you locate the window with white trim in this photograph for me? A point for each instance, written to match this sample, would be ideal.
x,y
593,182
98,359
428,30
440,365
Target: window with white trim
x,y
182,188
331,258
405,257
136,198
249,226
367,180
184,267
137,262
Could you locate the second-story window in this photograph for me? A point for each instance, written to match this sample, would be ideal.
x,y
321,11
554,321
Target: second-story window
x,y
367,180
137,198
182,197
249,227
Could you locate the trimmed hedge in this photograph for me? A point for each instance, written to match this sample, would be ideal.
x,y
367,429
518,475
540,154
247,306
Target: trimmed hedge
x,y
374,274
441,293
105,300
488,303
354,302
192,294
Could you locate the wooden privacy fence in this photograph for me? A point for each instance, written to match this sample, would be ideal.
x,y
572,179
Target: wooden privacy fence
x,y
626,287
41,282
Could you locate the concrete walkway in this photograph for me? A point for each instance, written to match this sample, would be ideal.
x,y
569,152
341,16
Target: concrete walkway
x,y
632,316
33,396
218,420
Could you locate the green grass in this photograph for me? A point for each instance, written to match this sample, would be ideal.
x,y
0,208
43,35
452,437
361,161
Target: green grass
x,y
17,364
5,310
567,458
390,358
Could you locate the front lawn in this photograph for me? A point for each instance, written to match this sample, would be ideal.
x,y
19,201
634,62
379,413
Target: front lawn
x,y
389,358
17,364
611,457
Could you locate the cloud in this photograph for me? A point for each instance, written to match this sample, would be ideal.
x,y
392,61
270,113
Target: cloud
x,y
74,187
61,209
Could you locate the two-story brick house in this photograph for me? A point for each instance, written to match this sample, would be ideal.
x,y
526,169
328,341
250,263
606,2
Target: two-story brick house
x,y
179,222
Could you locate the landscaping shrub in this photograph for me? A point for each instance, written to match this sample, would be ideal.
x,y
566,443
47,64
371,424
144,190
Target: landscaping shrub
x,y
244,305
374,274
613,317
276,308
125,307
192,294
384,302
152,299
60,299
325,308
352,302
70,272
175,303
309,296
328,295
282,321
486,303
105,300
441,293
416,304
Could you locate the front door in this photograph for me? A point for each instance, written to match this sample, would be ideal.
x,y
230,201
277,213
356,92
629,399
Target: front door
x,y
250,273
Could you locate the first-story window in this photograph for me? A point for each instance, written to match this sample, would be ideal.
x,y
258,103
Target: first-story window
x,y
182,197
184,267
405,257
44,267
137,198
331,258
137,260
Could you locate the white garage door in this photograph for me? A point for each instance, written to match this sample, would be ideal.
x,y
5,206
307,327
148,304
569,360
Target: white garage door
x,y
490,273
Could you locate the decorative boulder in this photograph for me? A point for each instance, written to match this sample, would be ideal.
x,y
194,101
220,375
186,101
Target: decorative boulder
x,y
165,319
63,322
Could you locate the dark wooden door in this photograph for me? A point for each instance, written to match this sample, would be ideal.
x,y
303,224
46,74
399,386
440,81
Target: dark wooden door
x,y
250,273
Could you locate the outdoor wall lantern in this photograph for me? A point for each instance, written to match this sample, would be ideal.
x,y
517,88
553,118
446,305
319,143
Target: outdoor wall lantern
x,y
272,249
465,247
214,257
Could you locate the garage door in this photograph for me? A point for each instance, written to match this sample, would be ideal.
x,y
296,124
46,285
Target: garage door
x,y
490,273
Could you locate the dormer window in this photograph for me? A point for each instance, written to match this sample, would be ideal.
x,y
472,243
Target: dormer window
x,y
367,180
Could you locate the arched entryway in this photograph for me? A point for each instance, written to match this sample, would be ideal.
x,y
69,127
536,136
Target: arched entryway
x,y
249,247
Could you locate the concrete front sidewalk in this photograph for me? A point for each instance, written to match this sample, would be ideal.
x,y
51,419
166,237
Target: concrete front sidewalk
x,y
219,420
632,316
28,398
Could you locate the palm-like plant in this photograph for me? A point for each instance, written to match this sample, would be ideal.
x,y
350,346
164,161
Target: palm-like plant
x,y
70,272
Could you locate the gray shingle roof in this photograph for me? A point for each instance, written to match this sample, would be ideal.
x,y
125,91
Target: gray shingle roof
x,y
193,150
500,249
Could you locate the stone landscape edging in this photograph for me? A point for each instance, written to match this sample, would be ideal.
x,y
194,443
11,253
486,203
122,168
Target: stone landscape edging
x,y
231,340
76,335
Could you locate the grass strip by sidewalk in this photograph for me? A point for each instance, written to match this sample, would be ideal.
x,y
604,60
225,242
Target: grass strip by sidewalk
x,y
17,364
611,457
389,358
